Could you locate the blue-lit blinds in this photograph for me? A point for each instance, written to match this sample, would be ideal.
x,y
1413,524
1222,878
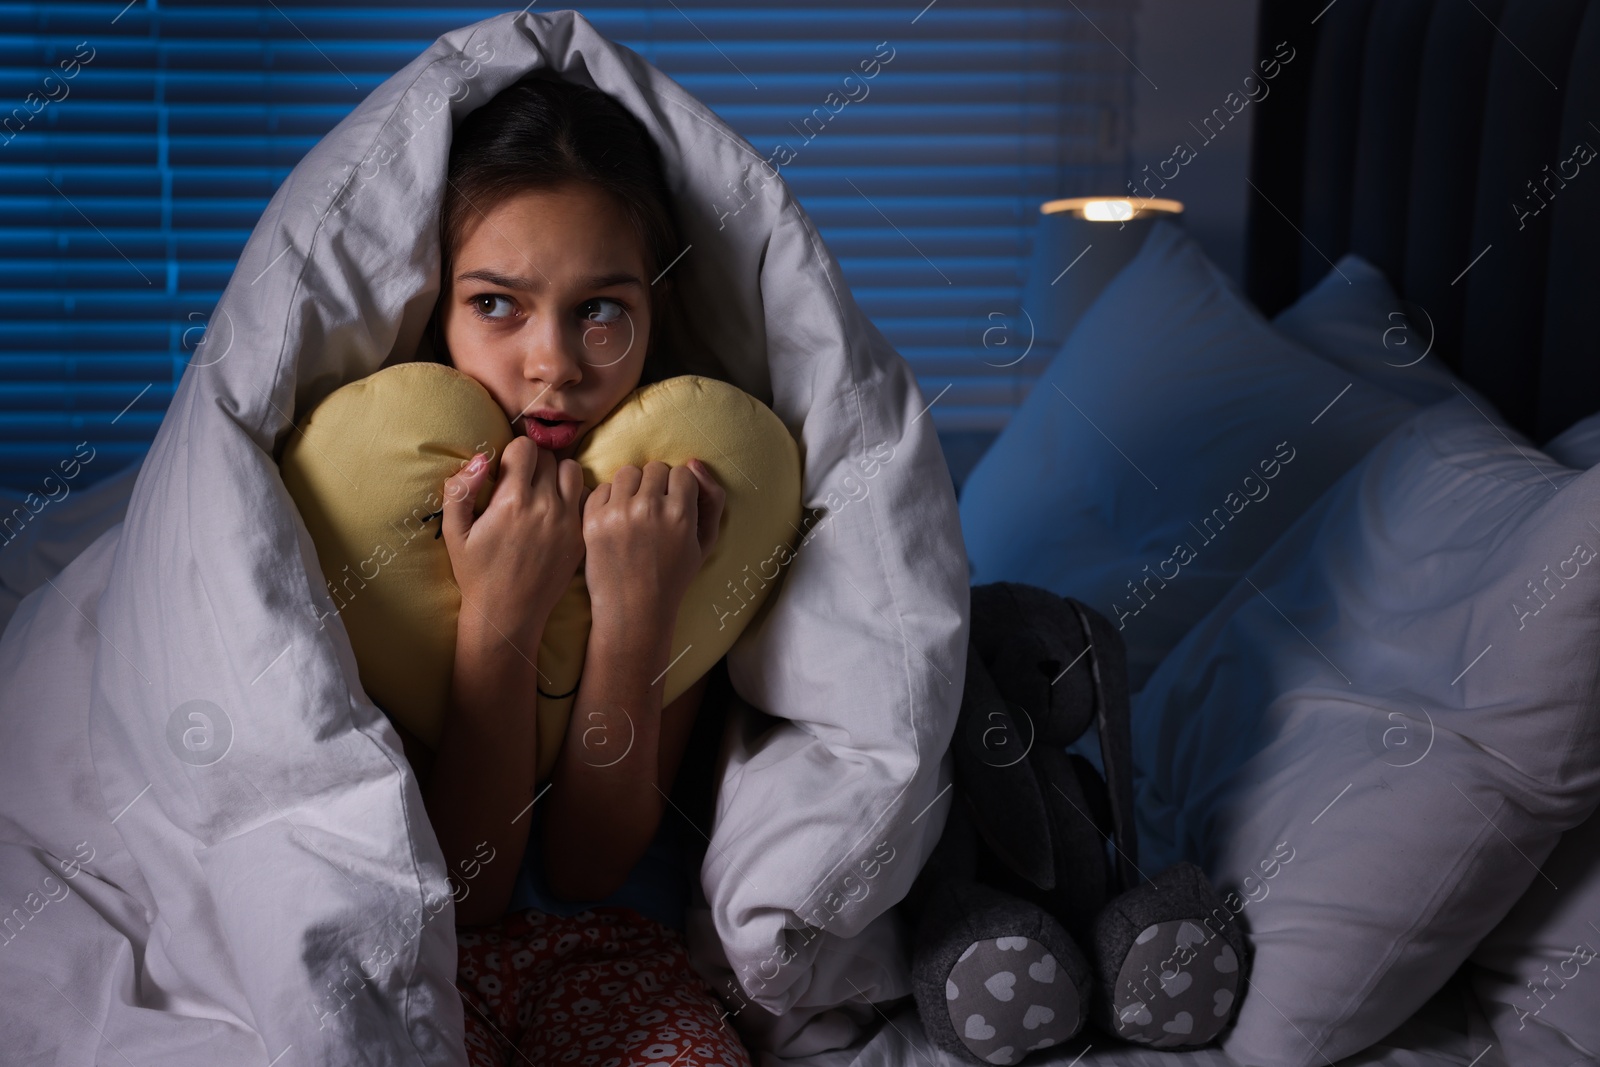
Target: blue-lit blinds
x,y
139,143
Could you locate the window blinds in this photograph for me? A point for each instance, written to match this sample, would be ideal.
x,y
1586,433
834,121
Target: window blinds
x,y
140,141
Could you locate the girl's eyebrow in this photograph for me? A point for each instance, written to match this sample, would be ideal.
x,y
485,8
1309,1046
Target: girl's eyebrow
x,y
516,281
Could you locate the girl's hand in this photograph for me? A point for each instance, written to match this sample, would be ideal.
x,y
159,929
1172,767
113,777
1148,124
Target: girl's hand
x,y
515,560
645,533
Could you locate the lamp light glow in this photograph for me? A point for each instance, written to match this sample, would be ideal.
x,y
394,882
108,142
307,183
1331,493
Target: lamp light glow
x,y
1111,209
1108,211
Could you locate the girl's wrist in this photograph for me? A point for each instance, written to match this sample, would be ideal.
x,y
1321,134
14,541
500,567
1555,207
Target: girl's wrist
x,y
637,625
483,634
635,603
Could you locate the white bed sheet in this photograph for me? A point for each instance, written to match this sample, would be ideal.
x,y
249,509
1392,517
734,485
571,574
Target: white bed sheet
x,y
1448,1032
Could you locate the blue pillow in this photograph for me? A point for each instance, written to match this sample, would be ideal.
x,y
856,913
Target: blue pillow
x,y
1171,440
1354,320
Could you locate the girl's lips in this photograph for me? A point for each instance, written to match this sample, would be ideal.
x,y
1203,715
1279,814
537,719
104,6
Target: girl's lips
x,y
552,437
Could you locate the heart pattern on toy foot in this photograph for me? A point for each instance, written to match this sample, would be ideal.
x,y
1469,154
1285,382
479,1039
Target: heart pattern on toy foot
x,y
1007,997
1177,986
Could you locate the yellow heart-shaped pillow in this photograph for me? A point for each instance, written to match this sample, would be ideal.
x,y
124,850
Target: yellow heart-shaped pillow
x,y
366,469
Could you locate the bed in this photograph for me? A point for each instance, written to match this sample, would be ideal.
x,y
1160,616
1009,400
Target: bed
x,y
215,889
1419,221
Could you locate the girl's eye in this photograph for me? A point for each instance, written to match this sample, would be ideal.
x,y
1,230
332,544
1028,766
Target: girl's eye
x,y
602,310
486,304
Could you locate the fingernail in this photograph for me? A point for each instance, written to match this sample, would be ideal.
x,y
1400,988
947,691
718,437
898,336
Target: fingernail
x,y
477,463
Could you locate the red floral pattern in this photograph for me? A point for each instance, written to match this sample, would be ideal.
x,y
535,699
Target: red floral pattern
x,y
607,987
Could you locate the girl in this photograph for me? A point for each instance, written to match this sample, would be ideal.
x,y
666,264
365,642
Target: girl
x,y
556,231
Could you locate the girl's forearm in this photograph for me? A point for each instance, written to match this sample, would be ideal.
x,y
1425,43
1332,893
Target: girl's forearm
x,y
605,804
482,778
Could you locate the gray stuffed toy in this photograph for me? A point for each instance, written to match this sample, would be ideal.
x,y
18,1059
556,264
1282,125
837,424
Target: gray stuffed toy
x,y
1019,940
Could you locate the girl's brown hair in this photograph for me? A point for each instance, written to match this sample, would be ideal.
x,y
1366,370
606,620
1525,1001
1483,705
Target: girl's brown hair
x,y
542,132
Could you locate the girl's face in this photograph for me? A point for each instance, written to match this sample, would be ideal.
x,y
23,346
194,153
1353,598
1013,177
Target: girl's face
x,y
549,309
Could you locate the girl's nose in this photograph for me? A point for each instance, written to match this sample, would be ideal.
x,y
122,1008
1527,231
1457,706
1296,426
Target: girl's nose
x,y
554,354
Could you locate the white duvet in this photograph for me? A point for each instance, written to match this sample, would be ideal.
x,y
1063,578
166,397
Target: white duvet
x,y
211,848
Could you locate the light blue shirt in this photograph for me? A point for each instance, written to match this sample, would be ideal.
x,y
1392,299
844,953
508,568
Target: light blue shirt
x,y
658,885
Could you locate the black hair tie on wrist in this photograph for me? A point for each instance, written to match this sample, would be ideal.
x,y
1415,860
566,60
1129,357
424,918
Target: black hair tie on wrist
x,y
565,695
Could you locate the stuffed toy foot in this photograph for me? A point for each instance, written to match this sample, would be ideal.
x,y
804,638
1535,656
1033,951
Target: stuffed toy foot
x,y
994,977
1171,961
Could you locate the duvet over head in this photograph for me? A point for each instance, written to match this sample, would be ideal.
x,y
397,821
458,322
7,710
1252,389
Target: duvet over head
x,y
284,888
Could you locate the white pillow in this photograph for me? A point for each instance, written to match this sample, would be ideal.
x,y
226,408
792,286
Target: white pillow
x,y
1549,941
1354,320
1578,446
1166,446
1537,974
1373,740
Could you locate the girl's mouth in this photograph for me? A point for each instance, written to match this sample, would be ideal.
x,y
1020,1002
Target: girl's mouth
x,y
552,434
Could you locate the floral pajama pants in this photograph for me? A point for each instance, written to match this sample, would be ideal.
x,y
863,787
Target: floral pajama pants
x,y
607,987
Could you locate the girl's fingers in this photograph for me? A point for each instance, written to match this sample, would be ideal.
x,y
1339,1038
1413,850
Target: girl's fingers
x,y
460,493
569,479
538,463
655,478
682,484
625,482
518,465
712,497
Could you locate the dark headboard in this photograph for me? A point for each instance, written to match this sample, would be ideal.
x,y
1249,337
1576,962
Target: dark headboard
x,y
1455,144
